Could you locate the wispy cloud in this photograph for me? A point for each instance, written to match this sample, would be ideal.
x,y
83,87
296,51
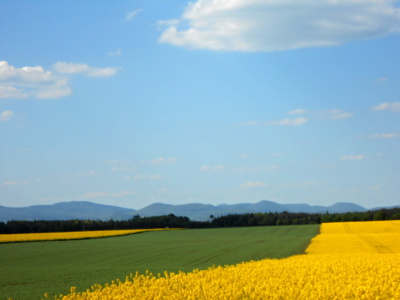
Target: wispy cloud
x,y
73,68
87,173
120,166
288,122
249,123
303,117
210,168
254,184
14,182
335,114
391,106
257,25
352,157
298,111
115,53
159,161
132,14
380,136
142,176
382,79
9,183
331,114
6,115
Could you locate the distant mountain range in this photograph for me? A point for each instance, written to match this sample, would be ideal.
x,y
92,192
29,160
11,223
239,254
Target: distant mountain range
x,y
195,211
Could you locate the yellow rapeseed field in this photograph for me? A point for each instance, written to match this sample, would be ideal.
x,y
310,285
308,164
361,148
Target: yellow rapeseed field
x,y
75,235
346,261
357,237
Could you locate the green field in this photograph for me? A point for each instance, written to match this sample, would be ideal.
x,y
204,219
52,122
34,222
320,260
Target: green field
x,y
28,270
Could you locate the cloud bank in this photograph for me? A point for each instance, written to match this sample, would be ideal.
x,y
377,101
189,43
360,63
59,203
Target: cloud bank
x,y
272,25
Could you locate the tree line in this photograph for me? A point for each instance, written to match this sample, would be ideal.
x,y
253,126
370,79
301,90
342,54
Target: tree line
x,y
172,221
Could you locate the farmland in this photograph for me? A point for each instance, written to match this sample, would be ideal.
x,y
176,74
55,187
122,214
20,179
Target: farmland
x,y
347,271
33,268
357,238
62,236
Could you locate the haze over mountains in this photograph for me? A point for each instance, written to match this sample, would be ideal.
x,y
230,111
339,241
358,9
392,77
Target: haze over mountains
x,y
195,211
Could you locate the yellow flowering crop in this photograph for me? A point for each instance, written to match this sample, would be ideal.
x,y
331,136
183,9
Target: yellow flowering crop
x,y
357,237
75,235
334,268
367,276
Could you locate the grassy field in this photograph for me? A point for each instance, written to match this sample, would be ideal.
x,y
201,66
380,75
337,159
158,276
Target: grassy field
x,y
28,270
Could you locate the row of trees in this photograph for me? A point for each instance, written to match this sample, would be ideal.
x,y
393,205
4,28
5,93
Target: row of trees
x,y
172,221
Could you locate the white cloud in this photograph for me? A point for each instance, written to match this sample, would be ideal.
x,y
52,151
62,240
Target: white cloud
x,y
88,173
115,53
298,111
26,74
209,168
6,115
288,121
9,183
14,182
132,14
332,114
335,114
271,25
73,68
171,22
381,136
382,79
252,184
34,82
244,155
249,123
120,166
352,157
159,161
392,106
12,92
123,168
141,176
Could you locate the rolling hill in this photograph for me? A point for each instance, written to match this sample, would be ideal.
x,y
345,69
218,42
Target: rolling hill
x,y
195,211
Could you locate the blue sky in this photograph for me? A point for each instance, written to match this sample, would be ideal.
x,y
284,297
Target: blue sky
x,y
227,101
